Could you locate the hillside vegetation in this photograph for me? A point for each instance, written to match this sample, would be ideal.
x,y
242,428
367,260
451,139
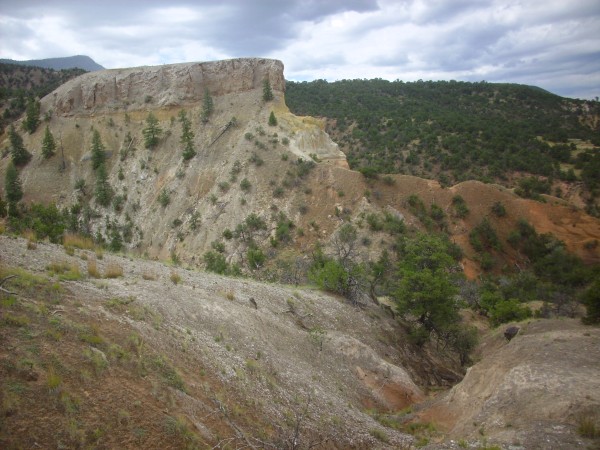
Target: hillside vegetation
x,y
18,83
455,131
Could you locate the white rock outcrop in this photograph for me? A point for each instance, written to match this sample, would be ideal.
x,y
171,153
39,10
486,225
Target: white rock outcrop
x,y
162,86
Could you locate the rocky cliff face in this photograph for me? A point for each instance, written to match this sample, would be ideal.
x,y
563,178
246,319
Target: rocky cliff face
x,y
162,86
117,102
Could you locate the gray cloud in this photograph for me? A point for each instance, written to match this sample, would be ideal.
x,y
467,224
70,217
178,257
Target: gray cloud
x,y
550,43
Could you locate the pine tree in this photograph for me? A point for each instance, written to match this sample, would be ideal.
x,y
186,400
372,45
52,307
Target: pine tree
x,y
48,144
207,106
13,188
20,156
187,136
152,131
116,241
426,290
591,299
98,156
103,191
32,116
272,119
2,207
267,91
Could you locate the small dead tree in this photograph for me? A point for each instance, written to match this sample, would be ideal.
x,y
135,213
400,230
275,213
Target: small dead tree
x,y
297,435
344,244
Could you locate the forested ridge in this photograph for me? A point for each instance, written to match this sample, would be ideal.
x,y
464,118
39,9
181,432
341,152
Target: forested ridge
x,y
454,131
18,83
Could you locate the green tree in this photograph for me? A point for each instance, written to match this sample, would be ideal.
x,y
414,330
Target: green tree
x,y
48,144
256,258
498,209
379,274
426,292
245,185
344,244
13,188
267,91
207,106
460,207
591,300
330,275
215,262
2,207
463,341
483,236
187,136
46,221
32,116
103,190
164,198
272,119
98,155
342,275
116,241
151,132
20,156
509,310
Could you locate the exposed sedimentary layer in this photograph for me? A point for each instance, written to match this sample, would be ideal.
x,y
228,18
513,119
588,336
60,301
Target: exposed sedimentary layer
x,y
168,85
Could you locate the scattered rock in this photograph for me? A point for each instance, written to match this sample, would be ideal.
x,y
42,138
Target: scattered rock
x,y
511,332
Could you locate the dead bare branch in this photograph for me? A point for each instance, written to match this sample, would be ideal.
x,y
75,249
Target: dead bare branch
x,y
4,280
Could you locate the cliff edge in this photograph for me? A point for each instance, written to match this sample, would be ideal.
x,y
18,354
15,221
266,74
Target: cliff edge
x,y
141,88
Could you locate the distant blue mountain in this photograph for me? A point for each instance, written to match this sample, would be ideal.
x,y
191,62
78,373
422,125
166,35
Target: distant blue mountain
x,y
68,62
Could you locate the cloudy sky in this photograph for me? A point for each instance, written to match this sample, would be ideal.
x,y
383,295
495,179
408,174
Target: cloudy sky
x,y
554,44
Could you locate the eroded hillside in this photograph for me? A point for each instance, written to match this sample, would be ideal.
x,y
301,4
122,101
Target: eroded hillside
x,y
506,395
121,352
144,348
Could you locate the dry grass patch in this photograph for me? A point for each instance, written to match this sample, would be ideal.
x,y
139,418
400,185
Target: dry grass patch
x,y
31,239
78,241
66,271
113,270
58,266
92,268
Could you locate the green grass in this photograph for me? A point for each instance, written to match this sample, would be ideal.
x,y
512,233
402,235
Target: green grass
x,y
65,271
8,302
168,373
96,359
25,282
252,366
128,306
15,387
53,381
15,320
177,426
